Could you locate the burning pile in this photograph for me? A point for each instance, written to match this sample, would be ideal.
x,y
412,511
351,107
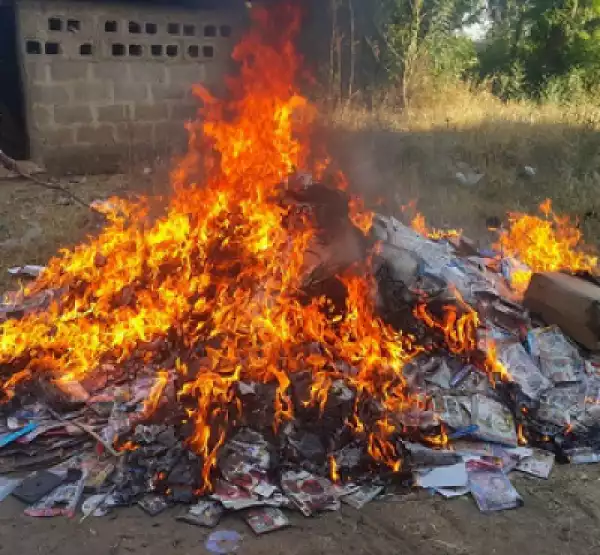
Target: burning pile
x,y
269,342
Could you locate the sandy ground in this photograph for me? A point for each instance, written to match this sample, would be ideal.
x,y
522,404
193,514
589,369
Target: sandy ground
x,y
560,515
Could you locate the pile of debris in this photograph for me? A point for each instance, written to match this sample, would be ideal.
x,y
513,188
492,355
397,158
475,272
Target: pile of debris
x,y
491,391
264,345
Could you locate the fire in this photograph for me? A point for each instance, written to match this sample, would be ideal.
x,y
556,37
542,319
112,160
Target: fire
x,y
459,332
155,395
333,470
360,217
420,226
546,243
207,295
216,278
521,435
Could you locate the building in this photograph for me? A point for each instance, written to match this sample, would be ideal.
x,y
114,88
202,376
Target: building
x,y
92,86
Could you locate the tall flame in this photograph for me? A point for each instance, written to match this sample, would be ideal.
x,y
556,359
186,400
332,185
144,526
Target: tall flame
x,y
217,276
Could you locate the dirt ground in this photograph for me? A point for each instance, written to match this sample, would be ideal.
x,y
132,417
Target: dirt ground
x,y
560,516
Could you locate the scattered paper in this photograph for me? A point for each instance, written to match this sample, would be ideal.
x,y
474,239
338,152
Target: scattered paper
x,y
204,513
29,270
7,486
492,490
266,519
309,493
363,495
495,421
62,501
539,464
449,493
153,504
452,476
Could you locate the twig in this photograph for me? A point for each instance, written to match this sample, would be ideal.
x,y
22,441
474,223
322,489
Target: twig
x,y
11,165
89,431
98,504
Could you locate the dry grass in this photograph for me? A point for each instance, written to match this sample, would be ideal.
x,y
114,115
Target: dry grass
x,y
414,154
35,222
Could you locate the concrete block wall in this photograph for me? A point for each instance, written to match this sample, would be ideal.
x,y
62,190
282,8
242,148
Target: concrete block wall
x,y
110,85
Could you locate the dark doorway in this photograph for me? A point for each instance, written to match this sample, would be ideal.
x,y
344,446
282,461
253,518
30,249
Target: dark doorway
x,y
13,134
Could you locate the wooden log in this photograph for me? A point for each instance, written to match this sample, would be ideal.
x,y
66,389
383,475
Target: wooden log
x,y
569,302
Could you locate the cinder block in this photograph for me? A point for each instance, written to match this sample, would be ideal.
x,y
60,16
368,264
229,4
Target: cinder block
x,y
149,72
135,132
172,132
69,115
49,94
96,134
183,111
151,112
168,92
111,71
92,91
41,116
187,74
56,137
114,114
65,70
131,92
37,71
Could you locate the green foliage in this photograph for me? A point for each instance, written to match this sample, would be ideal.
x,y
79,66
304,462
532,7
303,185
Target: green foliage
x,y
540,49
420,36
555,43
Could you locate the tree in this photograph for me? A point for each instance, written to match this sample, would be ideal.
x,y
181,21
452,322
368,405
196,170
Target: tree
x,y
424,32
543,41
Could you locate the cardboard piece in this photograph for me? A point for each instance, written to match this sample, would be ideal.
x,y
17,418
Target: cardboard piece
x,y
571,303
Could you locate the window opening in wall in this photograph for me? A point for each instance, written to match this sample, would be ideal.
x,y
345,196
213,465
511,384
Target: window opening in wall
x,y
73,25
54,24
118,50
173,28
135,27
110,26
33,47
86,49
156,49
189,30
208,51
52,48
151,28
193,51
135,50
210,31
172,50
225,31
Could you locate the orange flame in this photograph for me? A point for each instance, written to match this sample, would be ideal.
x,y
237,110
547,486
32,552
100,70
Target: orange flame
x,y
333,470
218,273
520,435
359,216
420,226
545,244
460,332
154,397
